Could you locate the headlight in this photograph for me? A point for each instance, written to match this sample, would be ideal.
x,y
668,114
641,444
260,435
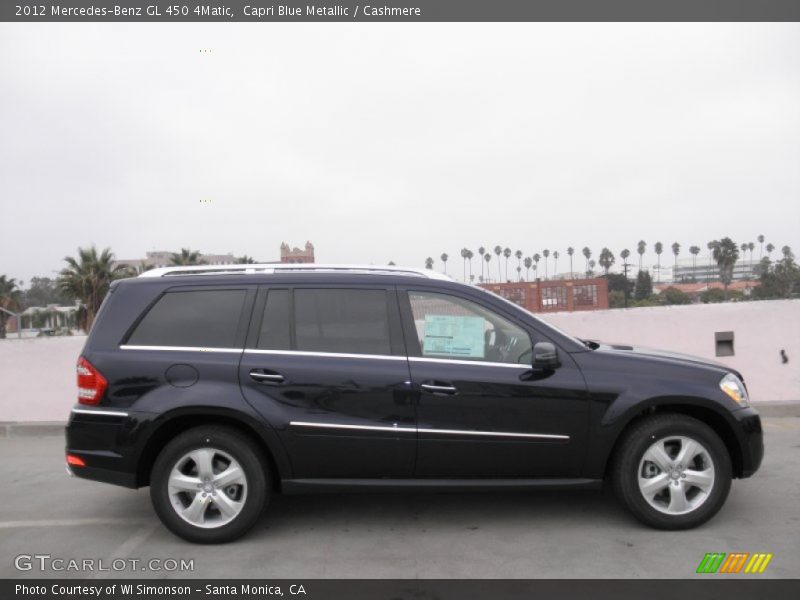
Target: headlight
x,y
733,386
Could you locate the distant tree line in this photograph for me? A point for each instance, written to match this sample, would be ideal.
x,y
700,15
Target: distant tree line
x,y
779,279
87,277
84,282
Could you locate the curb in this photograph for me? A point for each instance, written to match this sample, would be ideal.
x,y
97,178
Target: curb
x,y
775,409
778,408
31,428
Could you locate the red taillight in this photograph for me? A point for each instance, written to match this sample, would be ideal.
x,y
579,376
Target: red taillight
x,y
75,461
91,384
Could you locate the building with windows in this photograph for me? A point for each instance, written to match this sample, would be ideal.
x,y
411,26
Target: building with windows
x,y
296,255
554,295
706,270
163,258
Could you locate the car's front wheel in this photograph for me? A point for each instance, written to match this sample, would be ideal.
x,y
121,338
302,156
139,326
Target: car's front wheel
x,y
209,485
672,471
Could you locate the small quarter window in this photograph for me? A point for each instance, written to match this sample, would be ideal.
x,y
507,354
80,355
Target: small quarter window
x,y
275,333
205,319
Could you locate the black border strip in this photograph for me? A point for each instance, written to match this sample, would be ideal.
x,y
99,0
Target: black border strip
x,y
409,10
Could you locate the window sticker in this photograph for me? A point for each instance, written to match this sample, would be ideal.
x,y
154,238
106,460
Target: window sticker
x,y
447,335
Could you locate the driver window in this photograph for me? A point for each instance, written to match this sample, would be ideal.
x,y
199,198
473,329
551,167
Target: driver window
x,y
451,327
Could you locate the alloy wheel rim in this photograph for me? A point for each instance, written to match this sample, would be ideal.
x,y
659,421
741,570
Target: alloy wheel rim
x,y
676,475
207,488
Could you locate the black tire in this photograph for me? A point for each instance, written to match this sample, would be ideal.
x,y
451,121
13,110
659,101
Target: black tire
x,y
626,464
237,446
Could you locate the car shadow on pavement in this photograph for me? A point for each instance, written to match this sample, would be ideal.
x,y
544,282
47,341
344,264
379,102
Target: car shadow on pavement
x,y
445,510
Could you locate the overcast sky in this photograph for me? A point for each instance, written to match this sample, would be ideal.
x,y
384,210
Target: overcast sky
x,y
383,142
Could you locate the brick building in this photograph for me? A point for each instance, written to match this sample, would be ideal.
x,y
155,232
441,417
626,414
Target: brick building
x,y
554,295
296,255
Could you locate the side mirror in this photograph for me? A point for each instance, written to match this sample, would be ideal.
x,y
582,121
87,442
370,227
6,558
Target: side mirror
x,y
545,356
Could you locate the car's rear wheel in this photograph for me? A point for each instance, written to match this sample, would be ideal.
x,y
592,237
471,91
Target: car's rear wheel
x,y
209,485
672,471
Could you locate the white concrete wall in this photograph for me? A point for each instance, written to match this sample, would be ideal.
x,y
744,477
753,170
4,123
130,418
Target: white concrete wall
x,y
37,376
761,330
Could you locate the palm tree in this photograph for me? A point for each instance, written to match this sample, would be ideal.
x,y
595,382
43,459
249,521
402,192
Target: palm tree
x,y
87,280
444,258
591,267
507,254
10,300
676,249
536,258
659,248
186,257
624,255
518,254
487,257
546,254
710,247
761,239
694,251
770,248
640,250
751,246
570,252
587,254
726,254
555,263
606,259
498,251
470,256
481,251
527,262
245,260
429,263
464,260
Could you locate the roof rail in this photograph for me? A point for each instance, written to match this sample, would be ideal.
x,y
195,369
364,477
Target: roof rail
x,y
271,268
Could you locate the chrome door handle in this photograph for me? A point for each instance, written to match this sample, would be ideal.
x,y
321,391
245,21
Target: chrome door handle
x,y
270,377
438,389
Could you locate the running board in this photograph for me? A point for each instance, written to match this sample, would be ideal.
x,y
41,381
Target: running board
x,y
306,486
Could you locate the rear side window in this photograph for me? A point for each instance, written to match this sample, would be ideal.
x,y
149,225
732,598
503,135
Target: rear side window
x,y
344,321
207,319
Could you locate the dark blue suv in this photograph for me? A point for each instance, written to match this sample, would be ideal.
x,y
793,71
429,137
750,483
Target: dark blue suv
x,y
218,386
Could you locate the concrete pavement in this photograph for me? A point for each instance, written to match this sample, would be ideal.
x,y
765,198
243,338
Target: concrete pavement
x,y
517,535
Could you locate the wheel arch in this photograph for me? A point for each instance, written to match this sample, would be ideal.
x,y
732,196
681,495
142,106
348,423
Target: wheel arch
x,y
178,421
689,407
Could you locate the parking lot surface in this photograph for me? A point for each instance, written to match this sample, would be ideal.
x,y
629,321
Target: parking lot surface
x,y
500,535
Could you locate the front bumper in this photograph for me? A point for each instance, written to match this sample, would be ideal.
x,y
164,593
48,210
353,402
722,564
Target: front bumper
x,y
751,440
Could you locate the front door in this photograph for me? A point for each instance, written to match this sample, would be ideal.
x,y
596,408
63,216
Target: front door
x,y
483,412
327,368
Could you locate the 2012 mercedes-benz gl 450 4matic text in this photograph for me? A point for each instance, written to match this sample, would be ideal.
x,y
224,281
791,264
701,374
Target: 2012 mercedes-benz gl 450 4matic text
x,y
219,386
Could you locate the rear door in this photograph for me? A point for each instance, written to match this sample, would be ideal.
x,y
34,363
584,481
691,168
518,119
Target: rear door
x,y
327,368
